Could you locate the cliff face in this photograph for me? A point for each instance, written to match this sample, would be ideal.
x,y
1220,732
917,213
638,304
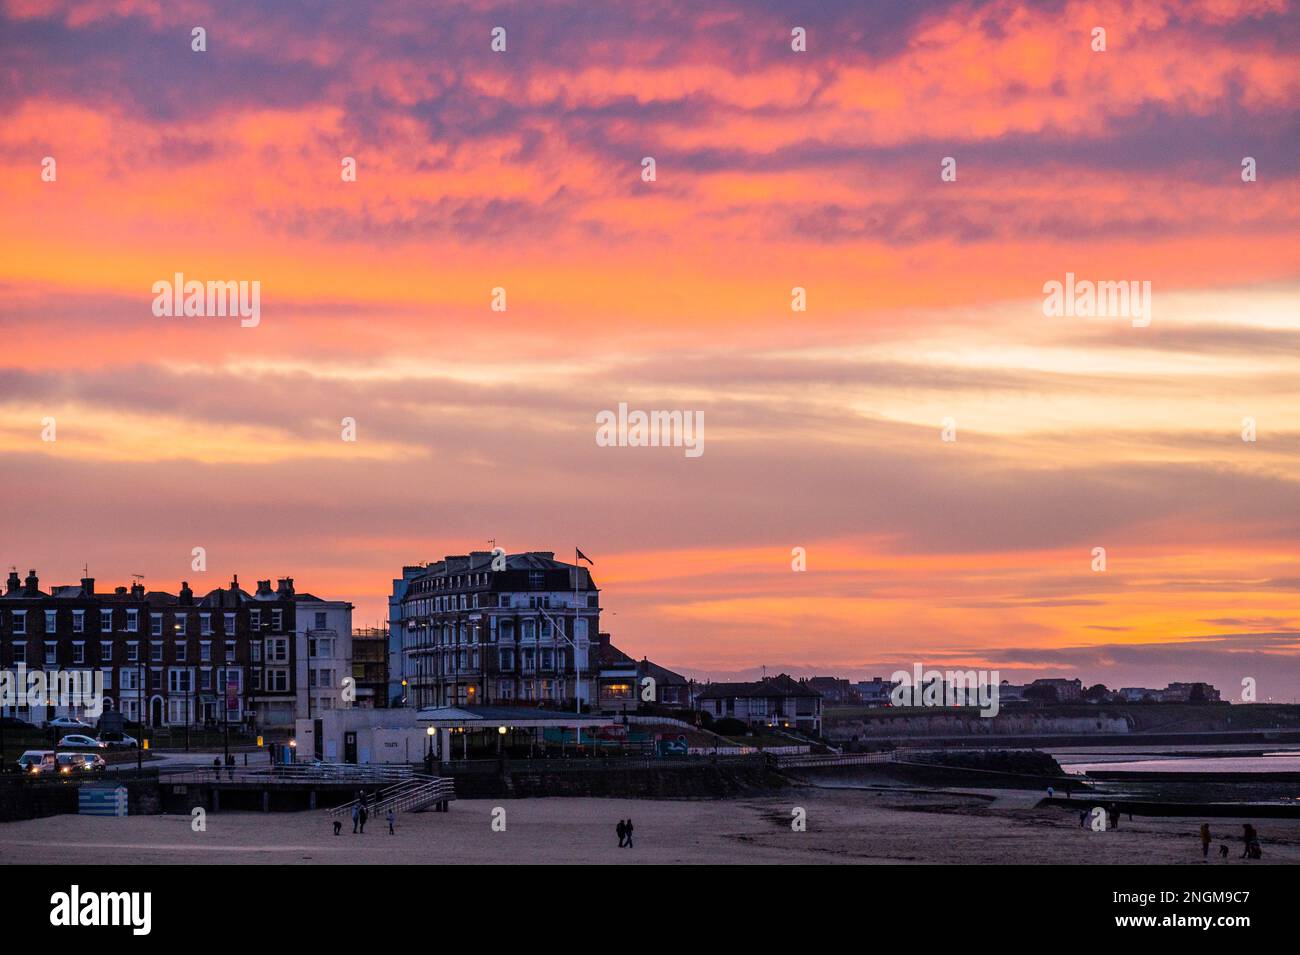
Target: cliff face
x,y
971,724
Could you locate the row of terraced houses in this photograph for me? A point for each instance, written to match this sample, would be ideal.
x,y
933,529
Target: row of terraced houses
x,y
228,656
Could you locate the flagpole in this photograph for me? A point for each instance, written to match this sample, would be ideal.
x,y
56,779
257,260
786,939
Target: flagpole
x,y
577,666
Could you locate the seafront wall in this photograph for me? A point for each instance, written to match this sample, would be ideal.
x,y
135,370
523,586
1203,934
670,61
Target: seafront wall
x,y
941,725
632,779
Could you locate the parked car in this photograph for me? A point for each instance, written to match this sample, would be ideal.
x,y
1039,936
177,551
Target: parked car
x,y
14,723
76,739
68,723
36,761
118,741
81,763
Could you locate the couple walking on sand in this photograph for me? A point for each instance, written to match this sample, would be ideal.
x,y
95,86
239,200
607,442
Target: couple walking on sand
x,y
624,830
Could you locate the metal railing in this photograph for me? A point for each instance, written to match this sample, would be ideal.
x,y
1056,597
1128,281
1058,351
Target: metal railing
x,y
833,759
312,774
407,796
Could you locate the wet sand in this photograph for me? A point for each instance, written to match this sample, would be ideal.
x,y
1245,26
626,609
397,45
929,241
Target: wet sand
x,y
843,826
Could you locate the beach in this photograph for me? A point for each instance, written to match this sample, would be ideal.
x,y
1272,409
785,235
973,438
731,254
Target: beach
x,y
881,826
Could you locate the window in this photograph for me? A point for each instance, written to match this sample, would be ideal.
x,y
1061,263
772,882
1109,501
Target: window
x,y
277,681
51,653
230,624
277,650
108,677
78,621
20,621
205,624
230,651
277,619
179,680
155,678
105,651
205,678
503,600
155,624
155,651
79,651
255,618
320,620
130,678
50,618
205,651
181,651
255,651
106,620
182,624
132,651
132,621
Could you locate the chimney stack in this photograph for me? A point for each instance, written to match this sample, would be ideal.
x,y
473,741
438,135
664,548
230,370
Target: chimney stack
x,y
285,588
137,590
88,586
186,595
33,583
14,583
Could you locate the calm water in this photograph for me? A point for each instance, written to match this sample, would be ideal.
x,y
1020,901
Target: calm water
x,y
1288,762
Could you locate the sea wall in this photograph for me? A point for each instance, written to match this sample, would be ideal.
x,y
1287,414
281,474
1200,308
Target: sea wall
x,y
662,779
939,725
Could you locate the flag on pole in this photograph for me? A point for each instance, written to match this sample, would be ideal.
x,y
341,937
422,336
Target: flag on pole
x,y
581,556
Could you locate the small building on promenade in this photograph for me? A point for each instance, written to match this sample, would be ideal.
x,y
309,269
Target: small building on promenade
x,y
449,728
361,736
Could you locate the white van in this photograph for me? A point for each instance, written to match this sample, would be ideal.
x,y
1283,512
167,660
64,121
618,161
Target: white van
x,y
37,761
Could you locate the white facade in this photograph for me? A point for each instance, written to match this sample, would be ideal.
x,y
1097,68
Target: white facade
x,y
362,736
324,657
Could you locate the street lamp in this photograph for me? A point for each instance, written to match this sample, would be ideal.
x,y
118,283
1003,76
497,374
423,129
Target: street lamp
x,y
139,744
428,759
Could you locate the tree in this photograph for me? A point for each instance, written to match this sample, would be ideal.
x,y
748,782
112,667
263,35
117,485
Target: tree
x,y
1096,693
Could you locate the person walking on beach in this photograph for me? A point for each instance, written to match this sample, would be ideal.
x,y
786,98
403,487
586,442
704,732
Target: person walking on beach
x,y
356,816
1251,838
1205,840
621,829
628,829
392,818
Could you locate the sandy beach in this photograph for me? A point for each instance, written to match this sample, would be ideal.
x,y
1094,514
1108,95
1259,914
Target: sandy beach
x,y
843,826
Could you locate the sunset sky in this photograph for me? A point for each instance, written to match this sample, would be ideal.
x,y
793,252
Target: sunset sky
x,y
775,169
